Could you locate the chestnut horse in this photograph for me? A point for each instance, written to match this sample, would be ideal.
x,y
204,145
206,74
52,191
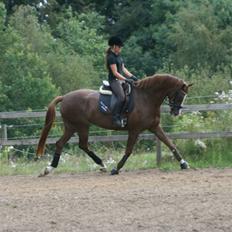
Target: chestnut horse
x,y
79,109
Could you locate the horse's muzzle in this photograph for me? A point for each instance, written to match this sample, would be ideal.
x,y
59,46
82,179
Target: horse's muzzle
x,y
175,112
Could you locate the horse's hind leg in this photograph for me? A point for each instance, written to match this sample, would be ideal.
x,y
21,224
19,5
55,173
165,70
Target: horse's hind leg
x,y
59,146
132,137
83,144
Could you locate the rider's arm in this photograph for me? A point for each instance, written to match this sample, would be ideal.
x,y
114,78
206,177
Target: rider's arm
x,y
116,73
125,70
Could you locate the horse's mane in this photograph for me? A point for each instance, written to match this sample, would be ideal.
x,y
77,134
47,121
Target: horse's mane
x,y
157,80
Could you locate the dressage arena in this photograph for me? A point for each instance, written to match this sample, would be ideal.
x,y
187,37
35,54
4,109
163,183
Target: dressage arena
x,y
146,200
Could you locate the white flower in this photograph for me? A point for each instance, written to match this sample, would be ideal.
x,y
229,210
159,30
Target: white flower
x,y
93,166
222,95
145,162
196,113
10,148
40,4
200,144
13,165
110,161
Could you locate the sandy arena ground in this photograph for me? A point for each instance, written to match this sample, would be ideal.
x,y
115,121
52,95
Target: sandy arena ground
x,y
151,200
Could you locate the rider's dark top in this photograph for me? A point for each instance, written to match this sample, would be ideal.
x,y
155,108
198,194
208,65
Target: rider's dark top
x,y
112,58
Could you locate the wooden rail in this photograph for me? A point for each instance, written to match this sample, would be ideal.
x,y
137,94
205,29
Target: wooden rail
x,y
120,138
4,141
187,108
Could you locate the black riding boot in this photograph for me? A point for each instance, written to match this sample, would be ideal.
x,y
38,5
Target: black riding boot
x,y
119,93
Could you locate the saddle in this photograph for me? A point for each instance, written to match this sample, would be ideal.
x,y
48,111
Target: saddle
x,y
108,100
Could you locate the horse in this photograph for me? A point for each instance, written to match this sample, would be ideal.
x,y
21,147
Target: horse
x,y
79,109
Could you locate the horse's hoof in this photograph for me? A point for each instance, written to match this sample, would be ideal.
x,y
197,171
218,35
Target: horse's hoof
x,y
42,174
47,170
184,165
114,172
103,169
36,158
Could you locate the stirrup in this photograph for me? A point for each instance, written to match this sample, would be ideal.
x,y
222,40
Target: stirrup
x,y
117,121
123,121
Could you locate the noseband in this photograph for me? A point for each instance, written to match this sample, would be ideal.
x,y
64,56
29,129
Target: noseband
x,y
180,93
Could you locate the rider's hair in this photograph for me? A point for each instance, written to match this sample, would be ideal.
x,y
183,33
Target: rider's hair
x,y
106,56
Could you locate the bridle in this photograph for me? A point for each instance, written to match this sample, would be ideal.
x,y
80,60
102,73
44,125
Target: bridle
x,y
173,100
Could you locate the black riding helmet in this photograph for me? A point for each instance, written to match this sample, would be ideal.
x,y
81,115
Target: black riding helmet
x,y
115,40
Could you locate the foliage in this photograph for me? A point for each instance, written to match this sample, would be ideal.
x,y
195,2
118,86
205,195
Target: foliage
x,y
53,47
199,40
80,35
22,73
217,154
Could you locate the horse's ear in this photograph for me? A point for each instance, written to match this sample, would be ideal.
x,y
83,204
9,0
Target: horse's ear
x,y
189,85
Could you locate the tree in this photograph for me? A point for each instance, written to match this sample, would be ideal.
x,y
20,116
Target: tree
x,y
199,40
25,81
2,15
145,26
25,78
82,36
69,68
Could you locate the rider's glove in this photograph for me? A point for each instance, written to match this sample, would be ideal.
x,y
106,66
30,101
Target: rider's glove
x,y
130,81
134,78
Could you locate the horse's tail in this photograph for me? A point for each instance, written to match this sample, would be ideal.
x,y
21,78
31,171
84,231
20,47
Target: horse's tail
x,y
50,117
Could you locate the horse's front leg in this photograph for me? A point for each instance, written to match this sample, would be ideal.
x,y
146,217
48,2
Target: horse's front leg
x,y
132,137
162,137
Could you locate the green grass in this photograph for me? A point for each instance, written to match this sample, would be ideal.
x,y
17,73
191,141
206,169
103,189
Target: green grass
x,y
75,164
78,163
21,167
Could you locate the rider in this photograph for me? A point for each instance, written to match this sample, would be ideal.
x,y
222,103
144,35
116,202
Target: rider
x,y
117,73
